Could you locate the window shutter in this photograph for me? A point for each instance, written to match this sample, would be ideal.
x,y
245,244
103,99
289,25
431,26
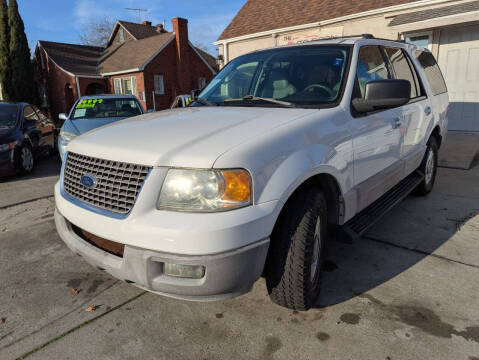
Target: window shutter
x,y
133,86
117,83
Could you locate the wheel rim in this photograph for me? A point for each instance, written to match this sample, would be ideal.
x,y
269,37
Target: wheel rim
x,y
429,166
315,263
27,159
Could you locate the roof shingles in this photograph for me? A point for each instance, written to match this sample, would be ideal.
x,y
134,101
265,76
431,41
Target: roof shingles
x,y
264,15
76,59
132,54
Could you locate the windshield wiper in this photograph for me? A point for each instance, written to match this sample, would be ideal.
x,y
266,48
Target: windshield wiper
x,y
205,102
251,98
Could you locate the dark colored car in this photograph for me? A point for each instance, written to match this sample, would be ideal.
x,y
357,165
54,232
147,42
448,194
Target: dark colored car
x,y
25,132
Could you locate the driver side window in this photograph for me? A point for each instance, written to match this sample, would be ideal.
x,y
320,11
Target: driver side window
x,y
371,66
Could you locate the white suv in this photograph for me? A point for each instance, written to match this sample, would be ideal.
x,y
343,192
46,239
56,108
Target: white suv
x,y
283,146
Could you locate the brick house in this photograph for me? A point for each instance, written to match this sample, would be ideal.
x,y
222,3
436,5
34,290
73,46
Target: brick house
x,y
140,59
449,28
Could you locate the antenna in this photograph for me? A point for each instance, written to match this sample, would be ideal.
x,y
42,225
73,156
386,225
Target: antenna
x,y
139,12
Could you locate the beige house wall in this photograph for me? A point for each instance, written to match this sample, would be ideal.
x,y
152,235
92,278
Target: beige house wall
x,y
378,25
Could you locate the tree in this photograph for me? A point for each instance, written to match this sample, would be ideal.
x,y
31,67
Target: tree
x,y
5,67
23,86
97,31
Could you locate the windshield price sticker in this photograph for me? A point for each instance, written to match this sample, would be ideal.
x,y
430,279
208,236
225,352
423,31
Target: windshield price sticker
x,y
89,103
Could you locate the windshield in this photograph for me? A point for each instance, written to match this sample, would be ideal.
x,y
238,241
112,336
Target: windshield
x,y
302,76
8,116
106,108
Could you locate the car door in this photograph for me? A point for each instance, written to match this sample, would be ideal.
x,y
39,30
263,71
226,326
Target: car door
x,y
376,136
416,115
31,127
47,129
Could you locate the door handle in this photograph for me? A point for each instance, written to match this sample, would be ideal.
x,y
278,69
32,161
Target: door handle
x,y
396,123
427,110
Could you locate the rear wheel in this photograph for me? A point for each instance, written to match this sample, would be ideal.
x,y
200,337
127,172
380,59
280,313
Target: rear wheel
x,y
293,274
428,168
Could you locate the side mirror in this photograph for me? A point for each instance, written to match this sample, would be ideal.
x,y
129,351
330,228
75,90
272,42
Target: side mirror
x,y
195,94
62,116
383,94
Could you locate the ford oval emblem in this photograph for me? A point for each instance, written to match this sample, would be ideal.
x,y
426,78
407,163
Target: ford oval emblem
x,y
88,181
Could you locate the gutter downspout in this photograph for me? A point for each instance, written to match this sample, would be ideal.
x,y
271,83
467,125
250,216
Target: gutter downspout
x,y
78,86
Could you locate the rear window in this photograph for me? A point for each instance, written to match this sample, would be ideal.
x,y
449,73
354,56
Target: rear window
x,y
432,71
106,108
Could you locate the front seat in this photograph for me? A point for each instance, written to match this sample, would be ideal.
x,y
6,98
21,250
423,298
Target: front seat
x,y
278,86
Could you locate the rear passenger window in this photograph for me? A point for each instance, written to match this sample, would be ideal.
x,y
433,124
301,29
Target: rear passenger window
x,y
432,71
403,69
371,66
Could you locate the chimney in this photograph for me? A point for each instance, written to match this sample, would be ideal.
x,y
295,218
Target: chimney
x,y
180,28
146,23
160,28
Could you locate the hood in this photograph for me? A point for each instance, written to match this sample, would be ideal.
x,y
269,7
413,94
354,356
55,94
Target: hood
x,y
81,126
191,137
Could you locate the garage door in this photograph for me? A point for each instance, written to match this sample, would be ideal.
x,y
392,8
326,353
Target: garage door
x,y
459,61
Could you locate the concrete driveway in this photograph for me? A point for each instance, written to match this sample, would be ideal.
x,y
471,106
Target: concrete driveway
x,y
409,289
39,184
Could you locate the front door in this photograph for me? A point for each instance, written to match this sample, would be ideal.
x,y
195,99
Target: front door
x,y
376,136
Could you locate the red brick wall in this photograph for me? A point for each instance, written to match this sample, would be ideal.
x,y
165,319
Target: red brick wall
x,y
55,81
166,64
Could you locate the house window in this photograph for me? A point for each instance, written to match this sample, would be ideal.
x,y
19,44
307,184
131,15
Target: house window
x,y
125,86
201,83
122,36
420,39
159,85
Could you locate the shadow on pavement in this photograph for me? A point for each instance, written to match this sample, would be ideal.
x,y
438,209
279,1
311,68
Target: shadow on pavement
x,y
412,231
45,166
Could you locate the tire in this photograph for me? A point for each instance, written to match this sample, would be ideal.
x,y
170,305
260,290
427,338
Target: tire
x,y
26,160
428,168
293,272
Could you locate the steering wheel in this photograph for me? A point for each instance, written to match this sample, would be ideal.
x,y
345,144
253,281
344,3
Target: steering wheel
x,y
321,87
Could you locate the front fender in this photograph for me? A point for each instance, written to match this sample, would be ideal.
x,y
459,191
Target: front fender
x,y
299,167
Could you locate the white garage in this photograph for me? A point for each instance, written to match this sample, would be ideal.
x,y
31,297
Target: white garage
x,y
459,61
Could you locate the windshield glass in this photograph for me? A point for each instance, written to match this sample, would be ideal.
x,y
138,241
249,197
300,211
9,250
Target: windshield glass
x,y
308,75
106,108
8,116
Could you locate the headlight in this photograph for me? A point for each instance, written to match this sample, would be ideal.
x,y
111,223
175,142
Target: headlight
x,y
66,137
6,147
205,190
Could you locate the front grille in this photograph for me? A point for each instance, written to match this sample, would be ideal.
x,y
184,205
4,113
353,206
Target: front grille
x,y
117,183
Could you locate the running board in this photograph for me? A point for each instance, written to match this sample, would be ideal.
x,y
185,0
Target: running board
x,y
359,224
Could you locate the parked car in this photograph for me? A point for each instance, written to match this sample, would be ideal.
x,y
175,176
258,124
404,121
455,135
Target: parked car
x,y
90,112
181,101
284,150
25,133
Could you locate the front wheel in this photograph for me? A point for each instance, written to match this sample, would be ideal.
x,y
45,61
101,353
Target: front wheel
x,y
293,270
26,160
428,168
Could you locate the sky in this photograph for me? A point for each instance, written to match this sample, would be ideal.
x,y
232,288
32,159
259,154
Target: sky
x,y
63,20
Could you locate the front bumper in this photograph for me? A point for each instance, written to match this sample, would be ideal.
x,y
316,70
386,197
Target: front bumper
x,y
227,274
